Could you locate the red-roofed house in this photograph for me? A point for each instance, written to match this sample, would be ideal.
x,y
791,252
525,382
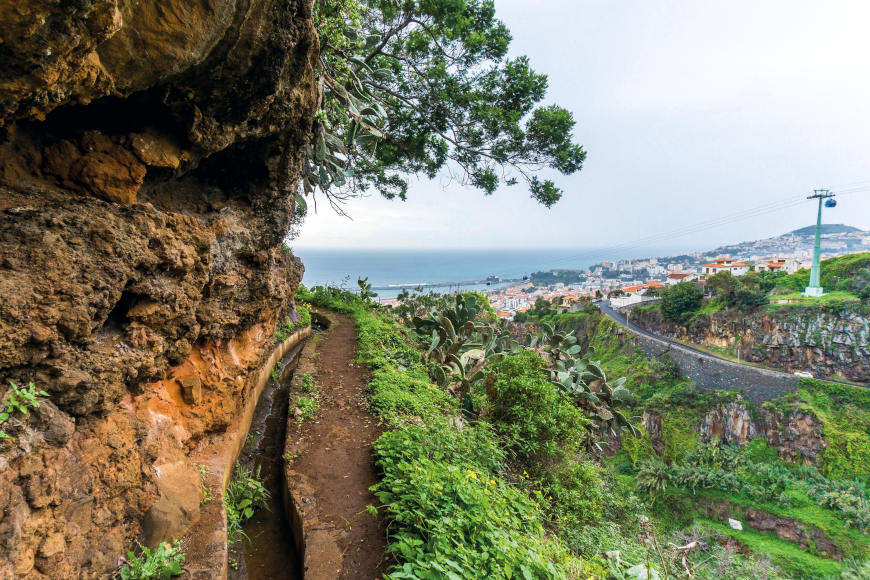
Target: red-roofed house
x,y
787,265
677,277
641,288
725,265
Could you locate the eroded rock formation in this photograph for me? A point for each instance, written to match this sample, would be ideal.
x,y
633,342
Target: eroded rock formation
x,y
149,157
796,435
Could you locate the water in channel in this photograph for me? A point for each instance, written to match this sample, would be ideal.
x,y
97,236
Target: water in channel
x,y
269,552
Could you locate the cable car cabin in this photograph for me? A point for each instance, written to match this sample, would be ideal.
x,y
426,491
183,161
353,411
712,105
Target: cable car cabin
x,y
831,203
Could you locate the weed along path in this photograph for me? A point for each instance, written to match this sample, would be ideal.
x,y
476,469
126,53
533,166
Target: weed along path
x,y
328,461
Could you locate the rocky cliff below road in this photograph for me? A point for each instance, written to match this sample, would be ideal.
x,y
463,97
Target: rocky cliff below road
x,y
823,342
149,157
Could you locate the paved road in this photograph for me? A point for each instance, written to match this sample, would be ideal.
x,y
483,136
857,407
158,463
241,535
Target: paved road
x,y
607,310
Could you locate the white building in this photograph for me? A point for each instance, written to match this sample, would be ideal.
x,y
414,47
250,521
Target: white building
x,y
677,277
620,301
725,265
787,265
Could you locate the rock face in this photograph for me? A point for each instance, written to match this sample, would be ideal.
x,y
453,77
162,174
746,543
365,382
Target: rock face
x,y
791,339
149,157
797,436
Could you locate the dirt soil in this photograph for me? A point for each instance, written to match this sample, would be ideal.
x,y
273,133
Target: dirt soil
x,y
337,457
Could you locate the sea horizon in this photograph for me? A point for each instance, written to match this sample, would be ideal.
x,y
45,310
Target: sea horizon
x,y
391,270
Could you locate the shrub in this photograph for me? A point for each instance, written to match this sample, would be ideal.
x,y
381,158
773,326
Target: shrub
x,y
747,292
576,492
845,413
638,448
539,424
163,562
678,434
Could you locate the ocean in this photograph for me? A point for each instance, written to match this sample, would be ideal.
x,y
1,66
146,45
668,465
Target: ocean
x,y
389,271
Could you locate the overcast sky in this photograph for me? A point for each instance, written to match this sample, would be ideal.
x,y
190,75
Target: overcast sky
x,y
689,110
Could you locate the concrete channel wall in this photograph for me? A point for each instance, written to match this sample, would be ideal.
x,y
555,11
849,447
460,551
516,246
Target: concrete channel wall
x,y
208,552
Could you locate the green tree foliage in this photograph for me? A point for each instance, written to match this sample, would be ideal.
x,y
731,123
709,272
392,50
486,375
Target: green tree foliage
x,y
541,309
746,292
681,300
410,87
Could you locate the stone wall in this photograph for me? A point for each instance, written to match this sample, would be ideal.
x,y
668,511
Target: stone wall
x,y
822,342
710,373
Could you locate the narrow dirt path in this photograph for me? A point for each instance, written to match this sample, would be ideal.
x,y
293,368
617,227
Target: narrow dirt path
x,y
335,460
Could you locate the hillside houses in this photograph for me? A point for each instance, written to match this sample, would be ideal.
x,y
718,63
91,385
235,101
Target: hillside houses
x,y
787,265
724,265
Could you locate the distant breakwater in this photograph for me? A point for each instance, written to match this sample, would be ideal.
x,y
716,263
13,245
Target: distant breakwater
x,y
412,286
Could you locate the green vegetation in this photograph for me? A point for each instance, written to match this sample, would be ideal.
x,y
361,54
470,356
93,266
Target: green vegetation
x,y
840,273
307,407
795,561
409,87
746,292
307,384
653,477
245,494
205,494
162,562
831,498
542,426
288,327
846,280
21,400
681,300
555,277
451,512
845,414
836,300
496,478
304,405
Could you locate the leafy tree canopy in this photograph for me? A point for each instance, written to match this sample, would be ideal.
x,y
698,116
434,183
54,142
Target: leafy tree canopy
x,y
681,300
411,87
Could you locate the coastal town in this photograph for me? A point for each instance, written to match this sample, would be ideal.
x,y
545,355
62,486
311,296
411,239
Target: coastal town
x,y
629,279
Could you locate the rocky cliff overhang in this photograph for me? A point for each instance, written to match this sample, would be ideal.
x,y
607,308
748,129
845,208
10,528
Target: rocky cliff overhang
x,y
149,158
